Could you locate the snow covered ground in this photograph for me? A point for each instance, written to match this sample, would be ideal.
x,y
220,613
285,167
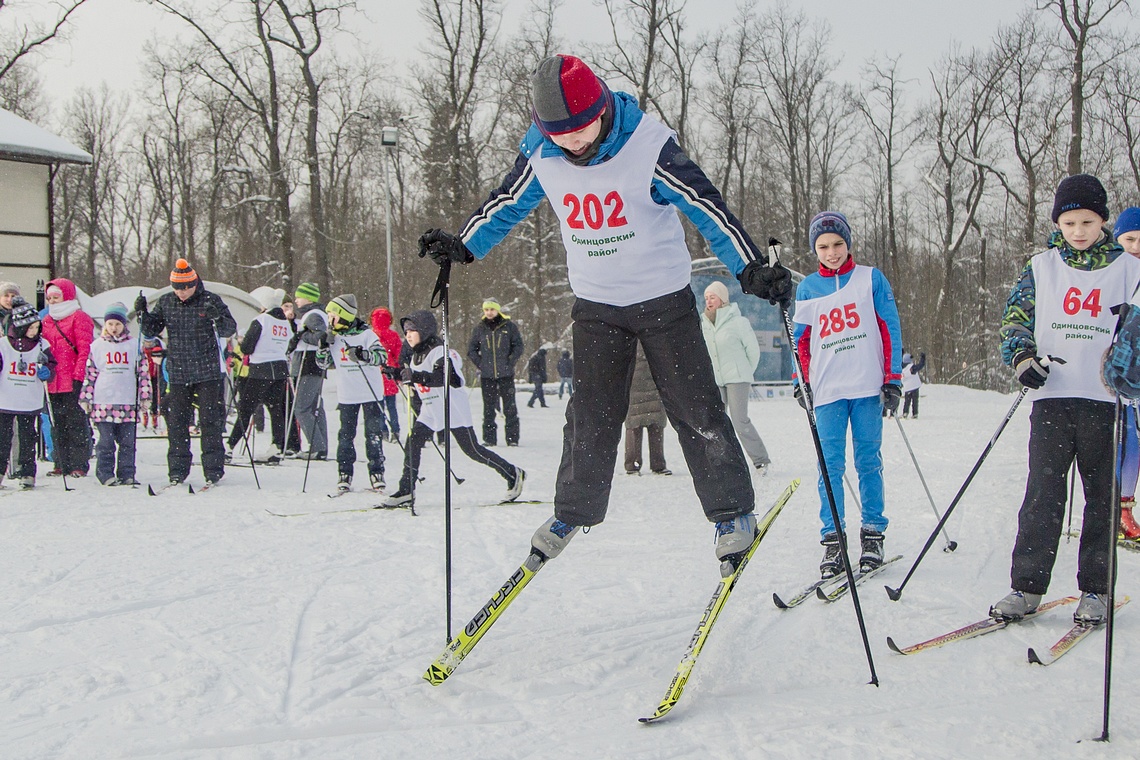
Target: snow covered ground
x,y
202,627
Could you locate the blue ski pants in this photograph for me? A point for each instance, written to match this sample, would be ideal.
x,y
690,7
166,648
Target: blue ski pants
x,y
864,416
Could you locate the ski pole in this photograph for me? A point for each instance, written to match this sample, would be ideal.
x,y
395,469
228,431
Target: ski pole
x,y
854,493
1117,445
249,447
1072,486
950,545
458,480
774,258
896,593
55,444
439,297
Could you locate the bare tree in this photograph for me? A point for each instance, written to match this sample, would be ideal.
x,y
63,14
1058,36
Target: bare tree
x,y
1089,53
27,37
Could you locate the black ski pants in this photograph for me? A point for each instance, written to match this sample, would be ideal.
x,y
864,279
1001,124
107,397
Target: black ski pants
x,y
605,347
253,392
373,437
910,403
71,436
468,444
1061,429
24,426
498,390
210,398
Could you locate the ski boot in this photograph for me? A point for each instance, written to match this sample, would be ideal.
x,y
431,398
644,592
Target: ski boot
x,y
376,480
27,482
273,456
344,482
872,555
514,489
1091,610
1128,527
1015,606
551,538
832,563
733,537
399,499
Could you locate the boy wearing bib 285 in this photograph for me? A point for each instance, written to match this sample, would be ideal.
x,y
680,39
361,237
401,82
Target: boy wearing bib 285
x,y
850,343
1061,307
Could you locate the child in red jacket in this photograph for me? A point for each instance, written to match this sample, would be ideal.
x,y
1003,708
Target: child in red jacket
x,y
390,340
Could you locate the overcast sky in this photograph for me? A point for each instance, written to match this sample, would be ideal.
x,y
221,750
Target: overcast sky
x,y
106,39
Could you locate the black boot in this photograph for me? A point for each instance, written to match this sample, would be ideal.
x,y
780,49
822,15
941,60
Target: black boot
x,y
832,564
872,556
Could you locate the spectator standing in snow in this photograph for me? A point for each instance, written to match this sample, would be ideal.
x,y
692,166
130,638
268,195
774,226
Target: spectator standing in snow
x,y
8,291
495,347
195,321
70,331
646,412
565,374
116,387
615,178
849,341
735,352
536,373
1061,306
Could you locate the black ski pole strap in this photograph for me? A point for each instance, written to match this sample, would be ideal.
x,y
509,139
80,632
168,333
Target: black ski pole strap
x,y
439,293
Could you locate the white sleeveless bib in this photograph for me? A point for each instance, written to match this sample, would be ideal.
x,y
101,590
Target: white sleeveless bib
x,y
1074,321
356,383
273,341
431,413
846,347
117,364
622,248
20,389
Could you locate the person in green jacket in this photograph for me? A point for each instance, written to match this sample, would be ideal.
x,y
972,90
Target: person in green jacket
x,y
735,352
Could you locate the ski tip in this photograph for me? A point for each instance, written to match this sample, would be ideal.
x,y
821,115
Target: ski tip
x,y
819,593
435,675
150,490
894,593
893,646
776,600
190,488
1033,658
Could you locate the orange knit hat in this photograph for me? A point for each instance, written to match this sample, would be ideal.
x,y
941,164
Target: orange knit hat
x,y
183,274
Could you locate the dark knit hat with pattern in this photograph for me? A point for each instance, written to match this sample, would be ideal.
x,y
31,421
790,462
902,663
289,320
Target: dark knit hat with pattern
x,y
829,221
1080,191
183,275
566,95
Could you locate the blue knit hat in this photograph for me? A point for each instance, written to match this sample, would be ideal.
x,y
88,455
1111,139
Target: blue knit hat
x,y
1128,221
829,221
116,311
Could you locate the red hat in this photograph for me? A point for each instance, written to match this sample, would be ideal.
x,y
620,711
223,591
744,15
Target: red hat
x,y
567,95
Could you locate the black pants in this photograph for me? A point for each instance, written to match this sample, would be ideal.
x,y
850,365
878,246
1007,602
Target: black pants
x,y
71,436
253,393
656,436
468,444
496,390
373,437
210,398
538,395
605,347
1060,429
910,403
25,427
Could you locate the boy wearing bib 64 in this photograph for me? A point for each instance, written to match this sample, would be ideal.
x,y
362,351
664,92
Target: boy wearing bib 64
x,y
850,344
1061,307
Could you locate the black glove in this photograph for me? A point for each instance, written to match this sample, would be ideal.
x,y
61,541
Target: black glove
x,y
392,373
803,394
771,282
140,304
443,246
360,354
889,396
213,311
1029,370
323,341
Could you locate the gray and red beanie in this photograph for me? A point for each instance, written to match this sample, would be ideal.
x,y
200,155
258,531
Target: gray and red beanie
x,y
1080,191
566,95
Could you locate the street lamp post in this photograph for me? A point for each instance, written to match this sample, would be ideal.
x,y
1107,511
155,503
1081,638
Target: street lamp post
x,y
389,139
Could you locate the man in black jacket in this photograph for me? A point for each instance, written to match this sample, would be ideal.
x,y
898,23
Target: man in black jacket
x,y
496,346
195,320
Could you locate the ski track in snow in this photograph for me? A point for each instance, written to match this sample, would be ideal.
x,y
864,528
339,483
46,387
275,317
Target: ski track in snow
x,y
184,627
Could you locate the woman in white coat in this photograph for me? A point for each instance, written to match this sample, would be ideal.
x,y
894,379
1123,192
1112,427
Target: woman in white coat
x,y
735,352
